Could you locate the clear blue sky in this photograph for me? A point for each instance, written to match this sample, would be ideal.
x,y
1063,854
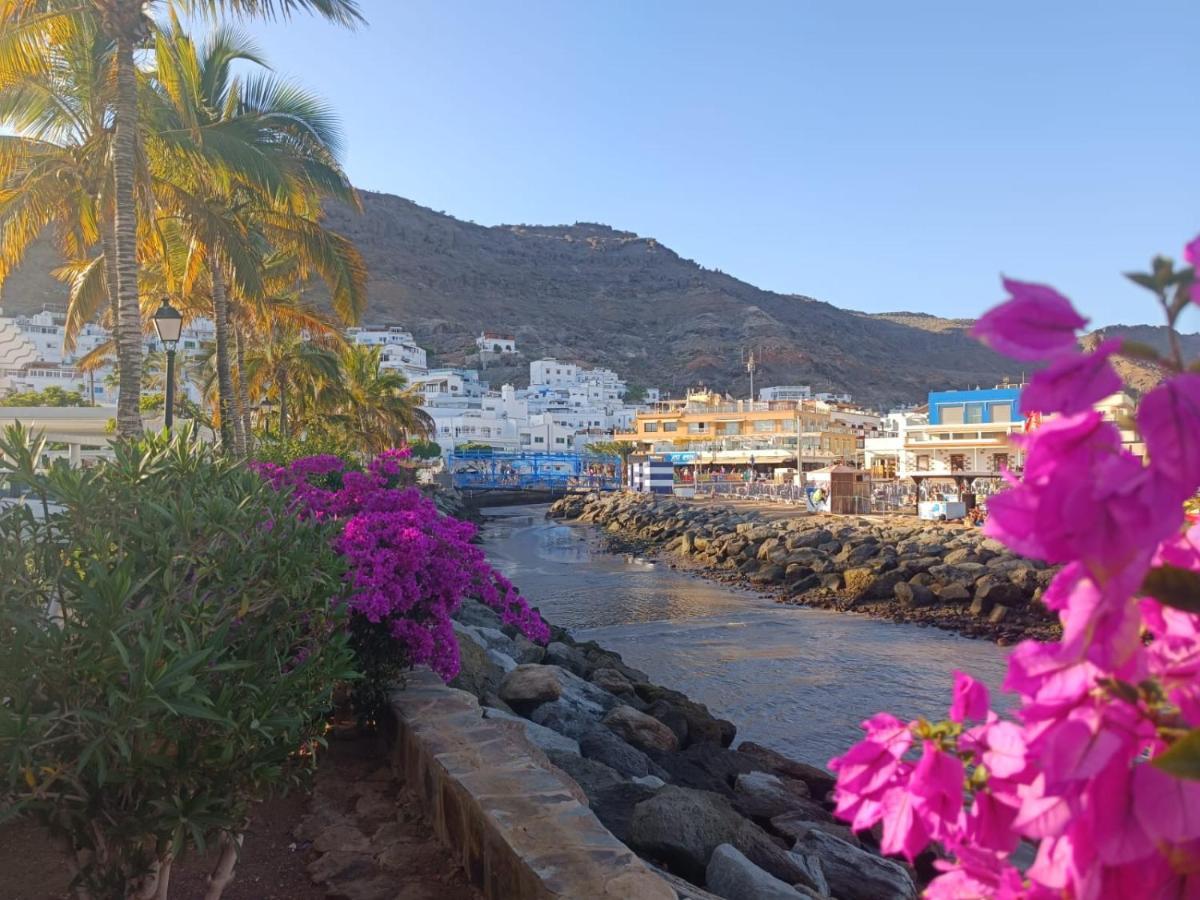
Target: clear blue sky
x,y
879,155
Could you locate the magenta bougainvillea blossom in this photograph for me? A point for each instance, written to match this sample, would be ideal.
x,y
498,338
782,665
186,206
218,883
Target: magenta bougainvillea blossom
x,y
1097,769
409,566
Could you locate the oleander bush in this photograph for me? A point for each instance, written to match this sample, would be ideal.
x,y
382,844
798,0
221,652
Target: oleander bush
x,y
170,638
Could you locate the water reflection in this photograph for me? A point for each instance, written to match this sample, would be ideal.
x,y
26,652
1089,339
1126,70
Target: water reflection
x,y
796,679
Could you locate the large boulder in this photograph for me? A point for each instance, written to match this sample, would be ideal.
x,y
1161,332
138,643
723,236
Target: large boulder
x,y
604,746
913,596
731,875
673,708
587,773
855,874
706,767
539,735
990,592
472,612
795,825
527,686
762,796
611,680
683,827
640,730
560,654
478,673
818,780
569,718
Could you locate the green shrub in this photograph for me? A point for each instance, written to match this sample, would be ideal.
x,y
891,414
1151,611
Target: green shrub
x,y
270,447
169,644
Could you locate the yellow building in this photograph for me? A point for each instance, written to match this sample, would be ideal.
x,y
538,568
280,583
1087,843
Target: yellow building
x,y
720,430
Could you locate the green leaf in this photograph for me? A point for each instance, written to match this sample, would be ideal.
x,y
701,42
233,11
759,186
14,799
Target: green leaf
x,y
1143,280
1173,586
1182,758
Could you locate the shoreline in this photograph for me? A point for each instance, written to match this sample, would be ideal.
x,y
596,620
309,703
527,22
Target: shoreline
x,y
901,570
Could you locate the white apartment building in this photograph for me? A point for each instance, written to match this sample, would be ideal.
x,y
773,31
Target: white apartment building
x,y
33,356
786,392
400,350
491,342
451,388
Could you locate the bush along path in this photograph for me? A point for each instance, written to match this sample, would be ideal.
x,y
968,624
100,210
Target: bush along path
x,y
659,772
894,567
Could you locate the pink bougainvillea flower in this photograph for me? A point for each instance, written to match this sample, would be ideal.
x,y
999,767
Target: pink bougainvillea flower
x,y
1073,382
970,699
1036,323
1169,420
1192,251
937,782
904,830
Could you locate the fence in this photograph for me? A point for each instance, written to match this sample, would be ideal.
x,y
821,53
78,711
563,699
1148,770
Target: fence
x,y
886,498
556,472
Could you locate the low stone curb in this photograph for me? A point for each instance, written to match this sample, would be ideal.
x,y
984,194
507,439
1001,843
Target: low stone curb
x,y
520,826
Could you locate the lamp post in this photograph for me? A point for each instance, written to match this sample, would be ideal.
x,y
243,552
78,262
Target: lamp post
x,y
169,325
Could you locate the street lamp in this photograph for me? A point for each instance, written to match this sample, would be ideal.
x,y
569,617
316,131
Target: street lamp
x,y
169,325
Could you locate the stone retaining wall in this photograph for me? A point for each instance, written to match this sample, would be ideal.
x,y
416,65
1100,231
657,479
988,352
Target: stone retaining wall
x,y
520,826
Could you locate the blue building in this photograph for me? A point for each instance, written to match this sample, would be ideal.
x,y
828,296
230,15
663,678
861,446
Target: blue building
x,y
978,407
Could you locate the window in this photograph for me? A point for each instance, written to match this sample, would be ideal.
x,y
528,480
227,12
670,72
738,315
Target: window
x,y
666,426
1000,462
559,440
1002,412
923,463
958,462
764,425
952,415
974,413
539,440
730,428
697,427
650,427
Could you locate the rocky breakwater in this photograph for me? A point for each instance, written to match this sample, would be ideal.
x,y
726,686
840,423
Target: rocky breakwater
x,y
894,567
659,772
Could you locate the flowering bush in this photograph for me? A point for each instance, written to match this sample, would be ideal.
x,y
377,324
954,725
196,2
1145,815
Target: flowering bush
x,y
1100,767
409,567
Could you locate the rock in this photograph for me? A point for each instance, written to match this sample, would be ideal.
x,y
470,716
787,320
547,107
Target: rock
x,y
771,573
702,726
806,583
812,869
729,874
683,827
614,805
640,730
952,593
795,825
501,661
964,573
530,684
706,767
650,781
587,773
612,681
856,556
527,651
574,720
998,614
832,581
913,596
858,581
569,658
819,781
472,612
961,555
855,874
762,796
477,674
989,591
604,746
872,584
539,735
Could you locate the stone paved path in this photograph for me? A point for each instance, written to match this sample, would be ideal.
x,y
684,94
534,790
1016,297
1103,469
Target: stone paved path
x,y
369,839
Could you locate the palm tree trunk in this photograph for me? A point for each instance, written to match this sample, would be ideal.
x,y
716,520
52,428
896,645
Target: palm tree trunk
x,y
108,242
282,386
225,411
129,319
243,393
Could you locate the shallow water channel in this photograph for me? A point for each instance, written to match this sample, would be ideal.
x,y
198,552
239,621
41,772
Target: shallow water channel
x,y
798,680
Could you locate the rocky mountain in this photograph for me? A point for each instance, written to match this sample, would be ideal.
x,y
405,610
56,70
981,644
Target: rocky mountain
x,y
592,294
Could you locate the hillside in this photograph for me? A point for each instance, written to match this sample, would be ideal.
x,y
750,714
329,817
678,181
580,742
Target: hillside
x,y
593,294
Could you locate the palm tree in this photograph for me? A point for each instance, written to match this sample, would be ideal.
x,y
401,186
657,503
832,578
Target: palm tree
x,y
248,159
30,30
373,404
289,369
